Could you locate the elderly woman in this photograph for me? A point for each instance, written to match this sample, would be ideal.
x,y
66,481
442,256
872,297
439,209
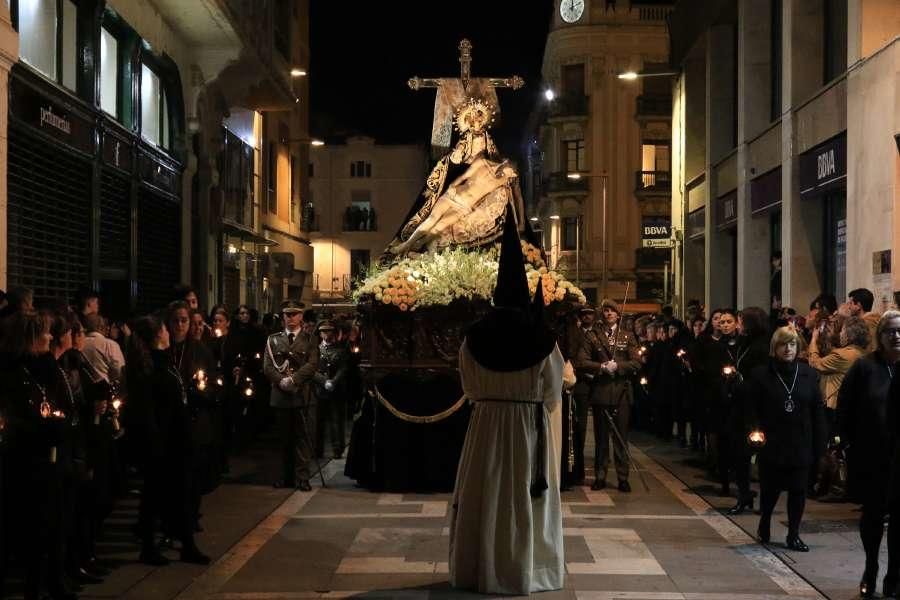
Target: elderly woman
x,y
833,366
787,417
868,427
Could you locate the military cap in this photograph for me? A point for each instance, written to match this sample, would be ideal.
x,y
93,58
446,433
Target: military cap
x,y
292,306
586,309
325,325
610,303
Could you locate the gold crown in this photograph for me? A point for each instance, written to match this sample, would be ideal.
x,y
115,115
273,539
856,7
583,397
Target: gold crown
x,y
474,114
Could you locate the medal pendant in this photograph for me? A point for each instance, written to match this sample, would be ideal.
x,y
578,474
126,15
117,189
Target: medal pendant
x,y
789,405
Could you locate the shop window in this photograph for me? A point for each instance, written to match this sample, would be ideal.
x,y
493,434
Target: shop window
x,y
109,72
48,38
575,156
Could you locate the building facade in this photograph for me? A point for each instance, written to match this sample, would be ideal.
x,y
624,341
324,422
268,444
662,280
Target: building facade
x,y
360,194
116,140
600,160
786,115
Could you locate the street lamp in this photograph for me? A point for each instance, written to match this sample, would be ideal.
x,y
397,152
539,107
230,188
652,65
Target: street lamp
x,y
632,75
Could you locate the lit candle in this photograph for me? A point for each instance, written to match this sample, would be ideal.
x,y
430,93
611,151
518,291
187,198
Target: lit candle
x,y
354,349
728,371
680,353
248,392
116,404
644,381
220,382
757,437
217,332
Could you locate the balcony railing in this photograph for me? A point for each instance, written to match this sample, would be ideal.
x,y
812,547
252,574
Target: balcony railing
x,y
360,219
568,106
561,183
652,182
653,105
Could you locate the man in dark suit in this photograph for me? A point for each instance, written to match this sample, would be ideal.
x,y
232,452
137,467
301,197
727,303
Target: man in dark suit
x,y
610,354
290,362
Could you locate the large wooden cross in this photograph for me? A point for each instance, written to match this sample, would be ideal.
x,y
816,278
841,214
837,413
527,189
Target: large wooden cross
x,y
465,74
451,93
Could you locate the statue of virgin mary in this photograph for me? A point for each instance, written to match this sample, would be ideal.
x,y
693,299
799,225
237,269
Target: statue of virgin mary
x,y
466,194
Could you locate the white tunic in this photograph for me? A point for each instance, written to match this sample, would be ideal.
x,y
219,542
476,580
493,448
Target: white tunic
x,y
503,541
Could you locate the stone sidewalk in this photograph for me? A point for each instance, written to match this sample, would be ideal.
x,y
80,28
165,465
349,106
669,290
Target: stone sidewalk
x,y
835,562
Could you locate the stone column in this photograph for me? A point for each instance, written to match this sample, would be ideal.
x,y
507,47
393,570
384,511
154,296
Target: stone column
x,y
719,140
9,54
754,92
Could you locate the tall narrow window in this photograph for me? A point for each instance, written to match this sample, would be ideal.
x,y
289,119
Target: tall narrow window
x,y
151,99
37,35
575,156
272,177
69,50
109,72
295,189
835,48
570,233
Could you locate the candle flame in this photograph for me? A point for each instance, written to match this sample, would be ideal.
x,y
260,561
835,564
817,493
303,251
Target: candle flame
x,y
116,404
644,381
248,392
727,370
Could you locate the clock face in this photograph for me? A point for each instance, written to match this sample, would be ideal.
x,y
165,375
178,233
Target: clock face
x,y
571,10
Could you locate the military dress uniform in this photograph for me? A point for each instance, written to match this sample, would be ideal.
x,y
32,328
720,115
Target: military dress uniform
x,y
610,394
330,385
293,355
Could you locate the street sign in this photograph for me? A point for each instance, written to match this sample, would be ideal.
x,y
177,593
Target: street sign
x,y
655,232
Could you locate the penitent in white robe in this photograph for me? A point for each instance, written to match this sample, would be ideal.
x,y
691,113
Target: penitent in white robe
x,y
503,541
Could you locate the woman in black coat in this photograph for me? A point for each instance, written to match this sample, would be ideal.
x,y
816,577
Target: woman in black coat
x,y
752,352
869,424
158,398
718,360
36,408
787,414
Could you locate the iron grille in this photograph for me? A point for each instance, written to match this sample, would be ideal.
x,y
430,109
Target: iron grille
x,y
49,217
115,221
159,242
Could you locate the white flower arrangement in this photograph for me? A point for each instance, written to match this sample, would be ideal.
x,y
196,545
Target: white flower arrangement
x,y
439,278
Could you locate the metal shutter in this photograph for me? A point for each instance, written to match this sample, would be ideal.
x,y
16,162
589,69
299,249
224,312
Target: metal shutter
x,y
115,221
49,217
159,246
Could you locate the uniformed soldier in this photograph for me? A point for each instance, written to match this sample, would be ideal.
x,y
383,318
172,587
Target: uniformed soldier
x,y
330,389
611,355
584,381
290,362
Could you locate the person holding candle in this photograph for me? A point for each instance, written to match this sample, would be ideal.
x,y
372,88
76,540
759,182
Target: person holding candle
x,y
868,424
32,403
786,422
194,364
159,397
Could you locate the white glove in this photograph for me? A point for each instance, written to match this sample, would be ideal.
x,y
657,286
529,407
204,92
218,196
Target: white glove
x,y
329,385
287,385
611,367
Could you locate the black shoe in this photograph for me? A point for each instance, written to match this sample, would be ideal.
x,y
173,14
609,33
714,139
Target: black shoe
x,y
304,486
80,575
890,587
763,535
281,483
152,556
867,584
192,555
742,505
796,544
624,486
598,484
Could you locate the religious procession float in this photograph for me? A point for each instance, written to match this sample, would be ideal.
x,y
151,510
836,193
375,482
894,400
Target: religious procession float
x,y
436,278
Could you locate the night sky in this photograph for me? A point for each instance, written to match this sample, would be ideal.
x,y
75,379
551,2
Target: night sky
x,y
363,52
